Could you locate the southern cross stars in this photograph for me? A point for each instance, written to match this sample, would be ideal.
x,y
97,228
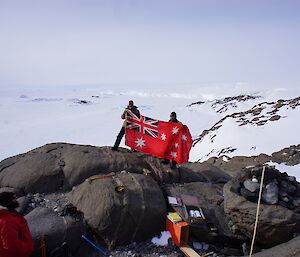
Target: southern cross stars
x,y
175,130
140,142
163,136
173,154
184,138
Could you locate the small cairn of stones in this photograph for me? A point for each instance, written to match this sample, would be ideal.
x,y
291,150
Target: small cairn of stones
x,y
278,188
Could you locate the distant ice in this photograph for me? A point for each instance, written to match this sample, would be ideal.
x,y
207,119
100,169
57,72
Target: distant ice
x,y
34,117
46,99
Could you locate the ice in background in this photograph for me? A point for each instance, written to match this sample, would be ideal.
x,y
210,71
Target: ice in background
x,y
33,117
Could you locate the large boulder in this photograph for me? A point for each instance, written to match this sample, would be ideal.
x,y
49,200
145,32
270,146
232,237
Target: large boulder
x,y
276,223
288,249
59,166
162,173
202,172
47,227
121,209
32,172
17,192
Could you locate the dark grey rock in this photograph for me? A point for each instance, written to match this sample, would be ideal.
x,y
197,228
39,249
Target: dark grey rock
x,y
202,172
61,166
45,223
296,202
122,209
209,198
250,196
34,172
18,192
251,186
270,193
288,249
24,204
276,223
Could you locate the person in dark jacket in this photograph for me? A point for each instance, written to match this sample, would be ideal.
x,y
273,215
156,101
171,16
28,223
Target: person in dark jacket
x,y
173,118
131,107
15,237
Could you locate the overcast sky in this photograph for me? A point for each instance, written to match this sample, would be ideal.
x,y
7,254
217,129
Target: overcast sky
x,y
82,42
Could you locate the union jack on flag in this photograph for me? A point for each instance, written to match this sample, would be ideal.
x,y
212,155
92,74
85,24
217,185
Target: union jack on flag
x,y
142,124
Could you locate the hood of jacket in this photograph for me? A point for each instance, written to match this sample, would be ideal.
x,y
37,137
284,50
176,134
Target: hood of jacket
x,y
4,212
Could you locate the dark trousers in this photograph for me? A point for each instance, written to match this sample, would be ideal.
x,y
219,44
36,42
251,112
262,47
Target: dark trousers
x,y
119,138
172,162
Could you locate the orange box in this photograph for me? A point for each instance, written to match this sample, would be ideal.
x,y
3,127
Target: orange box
x,y
179,231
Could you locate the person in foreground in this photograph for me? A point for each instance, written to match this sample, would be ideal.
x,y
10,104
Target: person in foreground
x,y
15,237
131,107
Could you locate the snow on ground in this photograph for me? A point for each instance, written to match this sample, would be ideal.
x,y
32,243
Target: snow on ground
x,y
33,117
162,240
251,139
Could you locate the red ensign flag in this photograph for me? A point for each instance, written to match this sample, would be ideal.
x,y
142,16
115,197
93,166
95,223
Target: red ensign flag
x,y
170,140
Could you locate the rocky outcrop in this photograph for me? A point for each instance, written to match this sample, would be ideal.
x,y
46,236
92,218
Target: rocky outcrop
x,y
259,115
289,155
209,198
32,172
52,230
202,172
276,223
288,249
122,208
60,166
232,166
121,195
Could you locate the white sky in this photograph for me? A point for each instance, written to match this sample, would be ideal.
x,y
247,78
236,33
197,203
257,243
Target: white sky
x,y
88,42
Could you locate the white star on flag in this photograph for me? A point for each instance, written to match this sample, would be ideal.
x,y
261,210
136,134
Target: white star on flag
x,y
140,142
173,154
175,130
184,138
163,136
176,145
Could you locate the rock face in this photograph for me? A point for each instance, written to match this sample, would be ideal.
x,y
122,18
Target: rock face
x,y
123,208
276,223
121,196
289,155
288,249
55,230
60,166
234,165
278,188
203,172
32,172
209,198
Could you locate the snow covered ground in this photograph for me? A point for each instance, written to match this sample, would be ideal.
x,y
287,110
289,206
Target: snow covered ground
x,y
91,115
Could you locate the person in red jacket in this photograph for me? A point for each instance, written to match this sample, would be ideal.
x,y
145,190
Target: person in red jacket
x,y
15,237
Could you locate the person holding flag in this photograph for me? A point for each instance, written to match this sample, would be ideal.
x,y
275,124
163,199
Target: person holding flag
x,y
173,163
169,140
132,108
